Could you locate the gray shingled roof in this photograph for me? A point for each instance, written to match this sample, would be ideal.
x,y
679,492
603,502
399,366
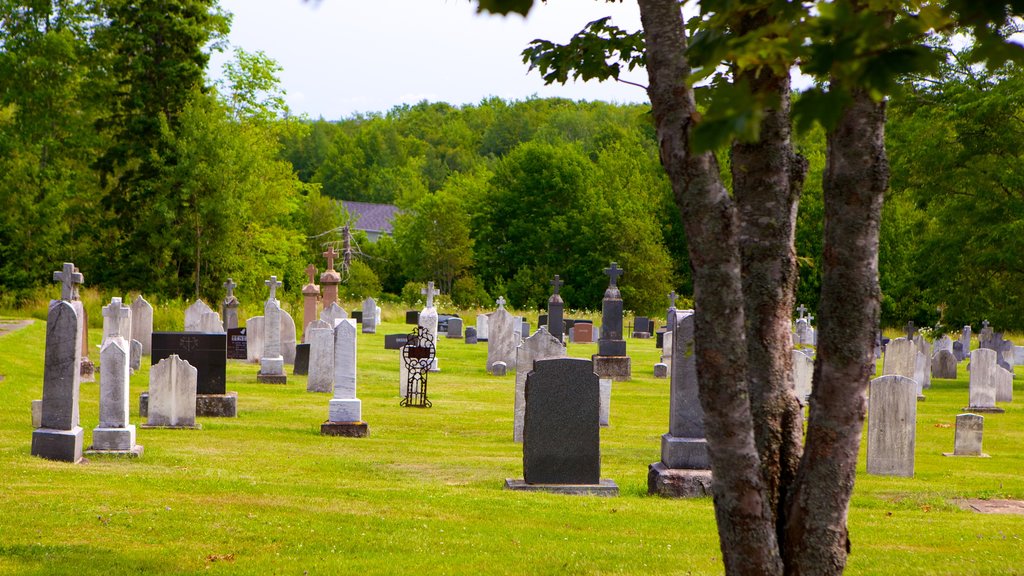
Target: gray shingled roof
x,y
371,217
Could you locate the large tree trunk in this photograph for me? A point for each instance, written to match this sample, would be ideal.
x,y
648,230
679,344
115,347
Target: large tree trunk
x,y
767,178
856,176
745,525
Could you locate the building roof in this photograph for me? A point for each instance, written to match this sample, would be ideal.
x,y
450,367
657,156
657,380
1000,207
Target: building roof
x,y
371,217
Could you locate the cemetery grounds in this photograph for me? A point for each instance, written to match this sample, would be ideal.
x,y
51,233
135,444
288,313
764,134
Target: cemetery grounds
x,y
265,493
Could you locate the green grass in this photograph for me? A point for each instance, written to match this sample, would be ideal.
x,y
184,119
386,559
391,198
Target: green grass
x,y
266,494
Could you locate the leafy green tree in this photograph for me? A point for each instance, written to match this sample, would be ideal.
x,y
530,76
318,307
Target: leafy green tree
x,y
434,240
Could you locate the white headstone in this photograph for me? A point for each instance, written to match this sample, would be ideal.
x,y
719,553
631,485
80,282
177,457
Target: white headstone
x,y
428,320
1004,385
901,359
142,323
271,361
481,326
117,320
114,433
254,339
501,343
983,383
803,376
210,323
194,316
606,401
172,393
333,313
345,407
288,337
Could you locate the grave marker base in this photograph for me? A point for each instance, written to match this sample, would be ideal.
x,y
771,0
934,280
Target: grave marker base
x,y
135,452
953,454
607,487
207,405
346,429
618,368
978,410
62,445
678,483
271,378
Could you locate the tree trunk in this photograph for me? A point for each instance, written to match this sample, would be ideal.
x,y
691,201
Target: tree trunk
x,y
746,530
856,176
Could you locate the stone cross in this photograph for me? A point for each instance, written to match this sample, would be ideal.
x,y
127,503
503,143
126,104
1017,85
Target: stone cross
x,y
430,293
613,273
68,277
910,330
273,284
802,310
330,255
810,320
117,312
501,302
230,286
984,323
672,297
311,272
557,283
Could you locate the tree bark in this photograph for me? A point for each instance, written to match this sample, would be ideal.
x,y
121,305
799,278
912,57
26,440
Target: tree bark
x,y
856,176
746,530
767,178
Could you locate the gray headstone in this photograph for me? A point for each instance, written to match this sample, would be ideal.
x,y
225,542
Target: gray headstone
x,y
501,344
892,417
114,432
369,316
254,339
210,323
944,364
944,342
803,375
59,436
901,359
983,376
1004,385
470,335
561,435
288,337
142,323
117,320
661,370
685,445
172,393
332,313
345,407
541,346
321,359
194,316
134,356
606,401
499,368
272,361
969,429
454,328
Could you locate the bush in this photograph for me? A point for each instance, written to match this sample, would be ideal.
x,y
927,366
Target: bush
x,y
362,282
468,292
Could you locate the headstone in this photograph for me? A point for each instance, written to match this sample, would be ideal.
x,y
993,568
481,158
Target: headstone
x,y
229,307
561,432
1004,385
924,364
641,327
541,346
556,311
901,359
482,325
803,333
968,435
37,414
606,401
542,320
376,316
501,346
210,323
254,329
892,418
301,367
983,381
612,342
194,316
395,341
524,329
670,314
205,353
238,348
412,317
329,280
369,316
803,376
271,361
321,359
59,436
470,335
428,318
114,433
142,323
70,278
345,412
944,342
944,364
499,368
684,469
661,370
172,394
289,339
965,343
333,313
117,320
134,356
310,296
454,328
582,333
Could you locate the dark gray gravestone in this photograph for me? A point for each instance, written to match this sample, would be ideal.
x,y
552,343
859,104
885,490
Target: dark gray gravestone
x,y
412,317
206,352
395,341
301,359
944,364
611,342
556,310
641,327
542,320
237,343
659,341
471,335
60,436
356,315
454,328
561,429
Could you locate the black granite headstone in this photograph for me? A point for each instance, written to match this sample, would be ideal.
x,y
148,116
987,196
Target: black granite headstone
x,y
237,344
561,429
206,352
356,315
412,316
395,341
660,340
471,335
542,320
301,359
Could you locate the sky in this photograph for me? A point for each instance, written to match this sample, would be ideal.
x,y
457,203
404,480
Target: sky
x,y
340,57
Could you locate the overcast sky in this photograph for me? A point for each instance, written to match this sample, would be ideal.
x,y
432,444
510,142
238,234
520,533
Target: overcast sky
x,y
346,56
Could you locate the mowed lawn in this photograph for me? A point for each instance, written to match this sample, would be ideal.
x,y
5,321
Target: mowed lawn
x,y
264,493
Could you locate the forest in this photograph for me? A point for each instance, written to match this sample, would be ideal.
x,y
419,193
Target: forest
x,y
121,153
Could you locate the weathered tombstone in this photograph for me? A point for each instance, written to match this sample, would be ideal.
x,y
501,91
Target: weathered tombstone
x,y
1004,385
254,329
556,311
172,394
803,376
482,325
59,436
37,414
944,342
369,316
207,355
321,358
983,383
134,356
333,313
194,316
958,351
499,368
685,468
310,296
69,278
965,344
229,307
924,365
142,323
611,360
417,358
501,346
428,318
470,335
967,439
114,435
901,359
541,346
892,417
606,401
238,341
329,280
661,370
944,364
345,412
210,323
117,320
561,431
289,339
271,361
524,329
